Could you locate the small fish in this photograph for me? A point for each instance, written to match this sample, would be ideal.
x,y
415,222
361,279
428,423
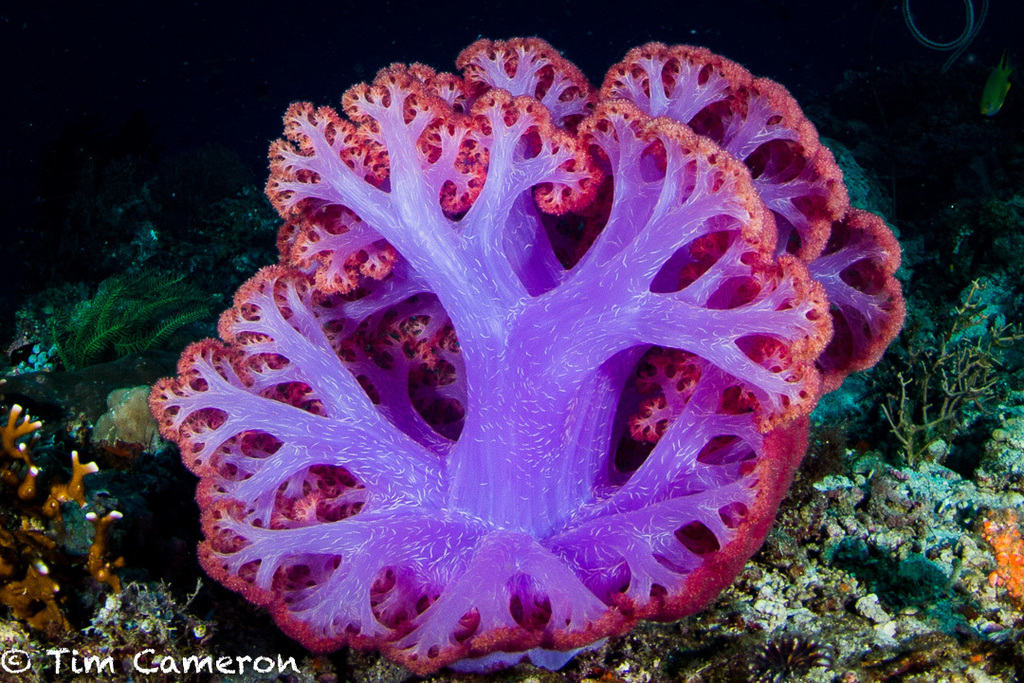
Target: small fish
x,y
996,87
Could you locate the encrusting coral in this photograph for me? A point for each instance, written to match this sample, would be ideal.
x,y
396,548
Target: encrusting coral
x,y
1003,534
127,428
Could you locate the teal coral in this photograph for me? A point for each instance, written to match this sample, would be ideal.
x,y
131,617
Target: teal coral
x,y
127,315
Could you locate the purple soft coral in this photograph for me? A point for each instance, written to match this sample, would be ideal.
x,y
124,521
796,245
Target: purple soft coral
x,y
533,366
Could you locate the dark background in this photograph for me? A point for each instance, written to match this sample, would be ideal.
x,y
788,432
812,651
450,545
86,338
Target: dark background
x,y
201,72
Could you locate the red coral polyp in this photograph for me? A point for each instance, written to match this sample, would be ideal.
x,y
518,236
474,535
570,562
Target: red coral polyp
x,y
537,359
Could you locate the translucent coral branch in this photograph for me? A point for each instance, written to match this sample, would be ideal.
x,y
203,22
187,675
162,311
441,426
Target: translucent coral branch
x,y
102,568
15,430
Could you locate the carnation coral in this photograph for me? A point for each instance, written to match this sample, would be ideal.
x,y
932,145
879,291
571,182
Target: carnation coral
x,y
537,358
